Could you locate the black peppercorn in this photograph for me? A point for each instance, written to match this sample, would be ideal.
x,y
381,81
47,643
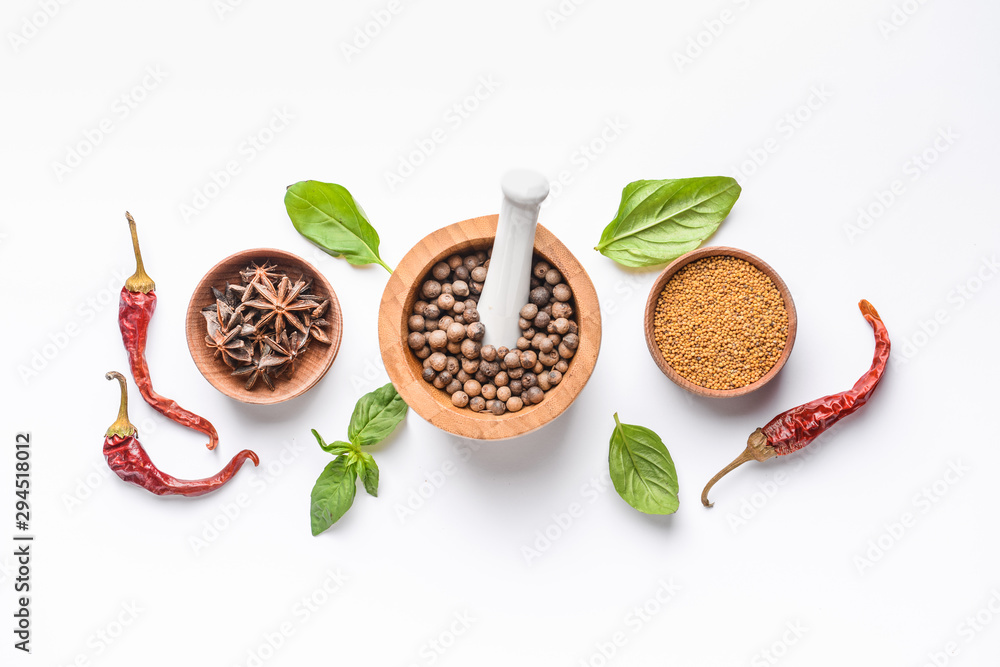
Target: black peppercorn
x,y
431,289
539,296
416,340
476,331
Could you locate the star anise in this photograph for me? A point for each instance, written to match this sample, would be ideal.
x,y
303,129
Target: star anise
x,y
221,315
256,338
320,310
259,275
316,329
261,367
228,346
225,326
291,348
281,304
232,295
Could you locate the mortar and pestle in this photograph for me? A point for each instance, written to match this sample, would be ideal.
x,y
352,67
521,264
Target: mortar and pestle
x,y
514,236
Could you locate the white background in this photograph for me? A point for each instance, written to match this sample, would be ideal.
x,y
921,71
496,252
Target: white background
x,y
769,556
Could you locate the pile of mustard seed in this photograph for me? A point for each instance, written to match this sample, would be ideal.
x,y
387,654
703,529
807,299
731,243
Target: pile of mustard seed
x,y
721,323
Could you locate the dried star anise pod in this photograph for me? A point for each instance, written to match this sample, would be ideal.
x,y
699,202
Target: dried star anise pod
x,y
228,346
316,330
281,304
220,315
256,338
320,310
291,348
257,275
262,367
232,295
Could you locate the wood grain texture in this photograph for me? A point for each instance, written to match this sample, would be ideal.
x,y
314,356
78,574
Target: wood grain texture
x,y
404,368
312,366
661,282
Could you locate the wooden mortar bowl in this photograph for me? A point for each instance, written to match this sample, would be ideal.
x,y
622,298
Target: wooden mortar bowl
x,y
664,278
404,368
310,368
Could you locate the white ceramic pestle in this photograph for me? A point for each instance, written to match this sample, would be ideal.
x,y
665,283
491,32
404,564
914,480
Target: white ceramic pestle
x,y
508,281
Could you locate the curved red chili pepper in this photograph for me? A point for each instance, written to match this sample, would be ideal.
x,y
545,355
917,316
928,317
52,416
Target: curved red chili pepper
x,y
135,309
127,458
794,429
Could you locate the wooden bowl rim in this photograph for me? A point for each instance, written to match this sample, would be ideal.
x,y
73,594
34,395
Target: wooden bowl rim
x,y
205,363
668,273
426,400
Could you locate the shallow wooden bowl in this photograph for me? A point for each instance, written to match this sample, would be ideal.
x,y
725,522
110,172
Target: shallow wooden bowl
x,y
308,371
404,368
661,282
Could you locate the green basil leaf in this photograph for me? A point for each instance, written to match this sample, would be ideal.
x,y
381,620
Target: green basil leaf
x,y
641,469
327,215
659,221
333,494
336,448
375,416
369,474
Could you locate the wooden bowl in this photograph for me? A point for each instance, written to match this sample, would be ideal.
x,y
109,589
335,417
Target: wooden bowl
x,y
314,363
661,282
404,368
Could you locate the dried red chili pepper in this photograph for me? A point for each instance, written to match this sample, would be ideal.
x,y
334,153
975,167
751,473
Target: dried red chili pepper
x,y
129,460
794,429
135,309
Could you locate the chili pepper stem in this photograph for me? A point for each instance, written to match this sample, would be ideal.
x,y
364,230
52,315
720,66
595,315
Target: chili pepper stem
x,y
122,426
757,450
140,280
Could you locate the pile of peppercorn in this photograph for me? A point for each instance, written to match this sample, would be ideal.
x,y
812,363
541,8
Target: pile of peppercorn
x,y
446,334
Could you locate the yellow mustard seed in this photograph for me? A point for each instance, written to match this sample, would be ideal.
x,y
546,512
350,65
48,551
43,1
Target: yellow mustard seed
x,y
720,322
